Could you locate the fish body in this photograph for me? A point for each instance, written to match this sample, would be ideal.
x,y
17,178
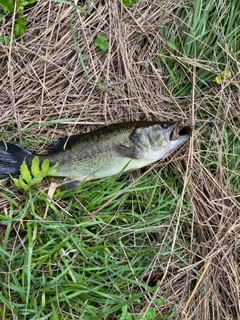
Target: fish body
x,y
103,152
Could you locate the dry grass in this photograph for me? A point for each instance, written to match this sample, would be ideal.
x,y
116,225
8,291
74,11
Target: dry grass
x,y
44,79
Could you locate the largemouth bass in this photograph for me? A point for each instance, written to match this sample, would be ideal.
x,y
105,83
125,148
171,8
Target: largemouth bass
x,y
103,152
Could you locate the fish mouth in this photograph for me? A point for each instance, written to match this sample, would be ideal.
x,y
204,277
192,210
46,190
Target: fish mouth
x,y
176,132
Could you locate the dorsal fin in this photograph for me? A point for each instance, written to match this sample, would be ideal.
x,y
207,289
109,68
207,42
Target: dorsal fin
x,y
62,144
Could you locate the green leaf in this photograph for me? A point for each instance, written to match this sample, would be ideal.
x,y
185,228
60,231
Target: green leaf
x,y
37,179
16,181
25,180
125,314
23,185
7,5
5,40
101,42
20,184
150,315
52,170
45,167
35,167
129,3
20,26
25,173
223,76
21,4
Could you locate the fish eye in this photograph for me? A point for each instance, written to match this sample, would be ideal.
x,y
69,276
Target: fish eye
x,y
164,126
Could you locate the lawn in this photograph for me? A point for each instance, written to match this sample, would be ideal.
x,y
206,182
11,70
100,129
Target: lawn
x,y
158,243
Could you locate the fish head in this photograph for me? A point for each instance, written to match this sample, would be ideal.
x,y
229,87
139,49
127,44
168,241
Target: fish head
x,y
157,141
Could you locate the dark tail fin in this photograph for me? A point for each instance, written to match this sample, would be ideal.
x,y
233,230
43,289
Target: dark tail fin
x,y
11,158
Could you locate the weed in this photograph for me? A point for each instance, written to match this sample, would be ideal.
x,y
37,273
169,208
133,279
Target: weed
x,y
129,3
200,40
29,178
20,23
101,42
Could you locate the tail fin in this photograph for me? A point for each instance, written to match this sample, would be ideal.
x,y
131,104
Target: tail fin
x,y
11,158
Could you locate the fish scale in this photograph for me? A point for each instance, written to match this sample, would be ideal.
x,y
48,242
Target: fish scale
x,y
102,152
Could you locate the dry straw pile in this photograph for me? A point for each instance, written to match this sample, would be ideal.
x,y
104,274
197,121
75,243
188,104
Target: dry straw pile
x,y
57,73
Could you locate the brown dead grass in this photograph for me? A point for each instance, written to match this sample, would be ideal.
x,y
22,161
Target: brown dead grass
x,y
43,79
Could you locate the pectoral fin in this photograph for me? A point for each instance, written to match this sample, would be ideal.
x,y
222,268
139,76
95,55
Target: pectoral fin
x,y
70,183
129,152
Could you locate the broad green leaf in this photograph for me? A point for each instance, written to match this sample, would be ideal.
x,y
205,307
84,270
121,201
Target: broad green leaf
x,y
21,4
7,5
52,170
37,179
35,167
20,184
125,314
5,40
45,167
16,181
101,42
26,180
20,26
223,76
23,184
25,173
150,315
129,3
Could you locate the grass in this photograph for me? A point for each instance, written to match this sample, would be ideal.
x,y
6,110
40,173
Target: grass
x,y
202,41
160,243
78,255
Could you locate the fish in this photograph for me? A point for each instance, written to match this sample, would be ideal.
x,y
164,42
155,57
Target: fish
x,y
104,152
